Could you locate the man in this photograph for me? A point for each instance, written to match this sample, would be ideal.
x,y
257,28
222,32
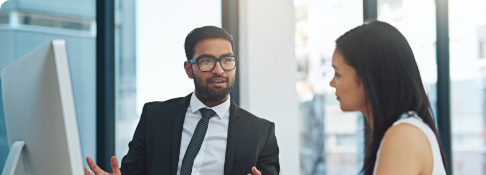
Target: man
x,y
204,133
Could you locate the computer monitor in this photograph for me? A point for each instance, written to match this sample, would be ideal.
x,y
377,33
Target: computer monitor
x,y
40,114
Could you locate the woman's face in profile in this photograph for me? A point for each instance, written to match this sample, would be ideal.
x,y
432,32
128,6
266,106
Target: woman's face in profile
x,y
349,88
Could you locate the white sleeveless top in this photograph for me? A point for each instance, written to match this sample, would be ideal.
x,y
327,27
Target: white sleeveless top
x,y
412,118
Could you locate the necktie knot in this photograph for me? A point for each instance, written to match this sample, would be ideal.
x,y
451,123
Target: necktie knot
x,y
207,113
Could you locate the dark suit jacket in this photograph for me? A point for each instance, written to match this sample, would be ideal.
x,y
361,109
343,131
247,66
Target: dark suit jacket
x,y
155,146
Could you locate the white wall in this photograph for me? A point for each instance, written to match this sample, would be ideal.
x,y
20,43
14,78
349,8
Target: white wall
x,y
267,71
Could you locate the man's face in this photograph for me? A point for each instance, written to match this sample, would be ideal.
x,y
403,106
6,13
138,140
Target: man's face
x,y
216,84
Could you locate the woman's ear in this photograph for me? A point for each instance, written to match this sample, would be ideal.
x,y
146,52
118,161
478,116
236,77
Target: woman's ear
x,y
188,69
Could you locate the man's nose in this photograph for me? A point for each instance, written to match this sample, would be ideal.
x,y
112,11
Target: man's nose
x,y
218,69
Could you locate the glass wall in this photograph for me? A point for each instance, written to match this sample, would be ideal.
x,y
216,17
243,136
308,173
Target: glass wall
x,y
162,27
331,141
150,55
27,24
467,31
125,75
416,20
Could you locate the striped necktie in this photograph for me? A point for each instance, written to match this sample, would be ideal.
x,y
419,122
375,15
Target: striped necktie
x,y
196,141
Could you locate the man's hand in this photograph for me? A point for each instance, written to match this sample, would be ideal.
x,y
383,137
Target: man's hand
x,y
98,171
255,171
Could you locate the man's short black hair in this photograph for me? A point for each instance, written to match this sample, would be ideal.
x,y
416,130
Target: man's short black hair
x,y
202,33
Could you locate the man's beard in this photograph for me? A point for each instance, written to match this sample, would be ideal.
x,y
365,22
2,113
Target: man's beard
x,y
207,93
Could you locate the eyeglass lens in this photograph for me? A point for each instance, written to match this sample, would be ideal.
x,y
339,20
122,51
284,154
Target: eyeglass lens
x,y
207,64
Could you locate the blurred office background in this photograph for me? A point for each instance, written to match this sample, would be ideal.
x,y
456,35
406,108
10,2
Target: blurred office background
x,y
285,49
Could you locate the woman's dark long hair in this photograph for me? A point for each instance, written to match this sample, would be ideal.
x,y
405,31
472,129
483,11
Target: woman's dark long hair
x,y
391,79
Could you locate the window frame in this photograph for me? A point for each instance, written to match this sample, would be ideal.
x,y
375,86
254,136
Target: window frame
x,y
105,83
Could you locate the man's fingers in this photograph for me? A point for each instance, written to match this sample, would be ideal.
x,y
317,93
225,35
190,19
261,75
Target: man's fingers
x,y
86,171
255,171
114,166
93,166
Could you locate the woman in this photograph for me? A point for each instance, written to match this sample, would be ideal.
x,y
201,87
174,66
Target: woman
x,y
376,74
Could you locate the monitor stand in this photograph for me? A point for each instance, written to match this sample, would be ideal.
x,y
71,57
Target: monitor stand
x,y
13,158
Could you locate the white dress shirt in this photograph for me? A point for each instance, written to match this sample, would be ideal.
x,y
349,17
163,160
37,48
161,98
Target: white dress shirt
x,y
211,156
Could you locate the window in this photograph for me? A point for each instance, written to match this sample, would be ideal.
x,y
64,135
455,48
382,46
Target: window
x,y
482,52
160,46
25,25
331,141
126,115
4,18
468,85
481,49
416,21
482,41
149,67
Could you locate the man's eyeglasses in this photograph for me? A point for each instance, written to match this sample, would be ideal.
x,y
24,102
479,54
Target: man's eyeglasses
x,y
207,64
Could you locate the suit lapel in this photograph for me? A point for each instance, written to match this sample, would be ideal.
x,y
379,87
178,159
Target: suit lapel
x,y
179,115
232,140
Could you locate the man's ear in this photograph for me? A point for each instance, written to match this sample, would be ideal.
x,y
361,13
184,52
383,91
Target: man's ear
x,y
188,68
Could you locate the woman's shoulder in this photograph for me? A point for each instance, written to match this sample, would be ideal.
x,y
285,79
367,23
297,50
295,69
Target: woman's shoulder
x,y
409,127
404,130
404,134
408,132
405,145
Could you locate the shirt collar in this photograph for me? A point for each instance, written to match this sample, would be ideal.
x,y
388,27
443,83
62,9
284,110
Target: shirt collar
x,y
221,109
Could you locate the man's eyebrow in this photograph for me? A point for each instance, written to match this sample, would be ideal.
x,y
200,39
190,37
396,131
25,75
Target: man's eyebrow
x,y
334,66
212,56
227,54
206,55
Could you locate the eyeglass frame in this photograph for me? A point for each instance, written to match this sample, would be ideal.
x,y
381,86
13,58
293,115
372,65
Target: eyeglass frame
x,y
196,60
